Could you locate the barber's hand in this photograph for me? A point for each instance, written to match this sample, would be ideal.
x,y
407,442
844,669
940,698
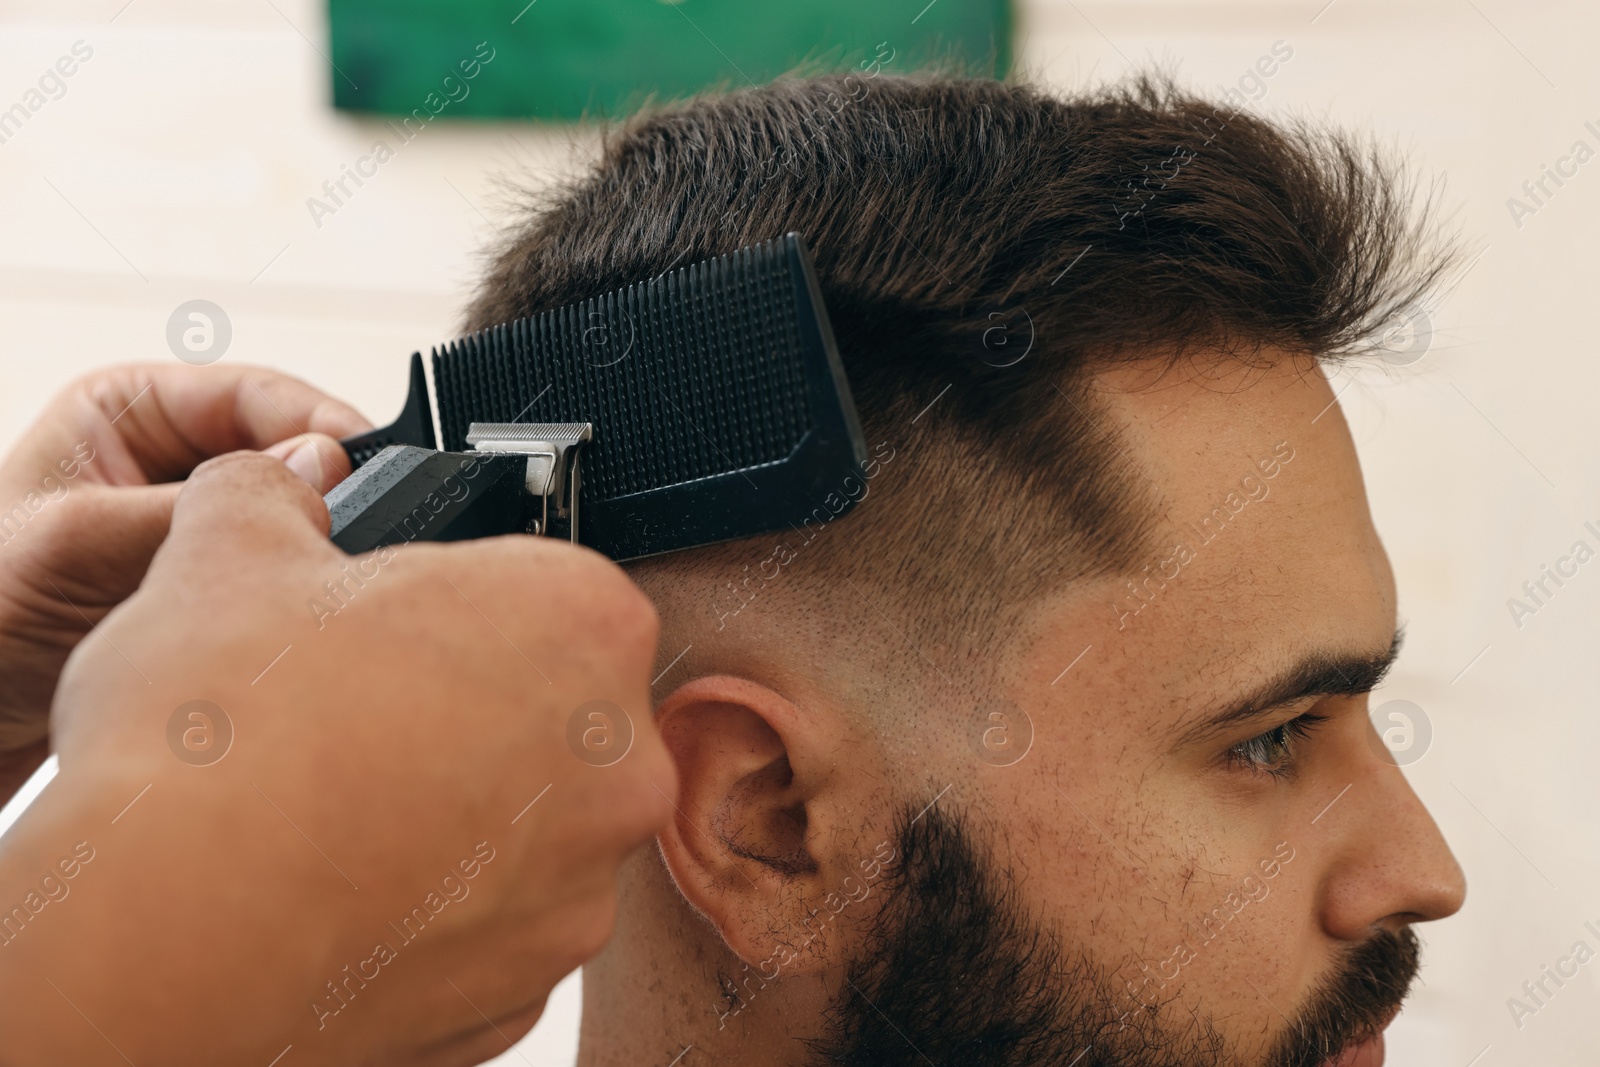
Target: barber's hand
x,y
403,848
82,507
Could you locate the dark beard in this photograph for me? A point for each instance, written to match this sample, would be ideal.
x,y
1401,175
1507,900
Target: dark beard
x,y
956,975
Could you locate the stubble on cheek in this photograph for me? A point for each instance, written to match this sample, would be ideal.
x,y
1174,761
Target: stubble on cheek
x,y
1139,884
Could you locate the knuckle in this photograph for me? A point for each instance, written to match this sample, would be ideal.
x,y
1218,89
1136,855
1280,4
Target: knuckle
x,y
646,805
577,583
105,385
613,603
256,468
233,464
655,813
633,617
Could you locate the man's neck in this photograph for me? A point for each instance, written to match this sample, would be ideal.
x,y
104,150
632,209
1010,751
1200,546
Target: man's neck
x,y
654,992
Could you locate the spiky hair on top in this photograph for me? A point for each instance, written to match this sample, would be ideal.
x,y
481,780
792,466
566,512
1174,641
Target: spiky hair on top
x,y
1117,223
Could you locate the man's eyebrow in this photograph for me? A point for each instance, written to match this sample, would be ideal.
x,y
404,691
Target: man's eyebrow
x,y
1316,675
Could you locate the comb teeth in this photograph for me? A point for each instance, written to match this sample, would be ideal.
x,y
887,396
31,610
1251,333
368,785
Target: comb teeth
x,y
694,373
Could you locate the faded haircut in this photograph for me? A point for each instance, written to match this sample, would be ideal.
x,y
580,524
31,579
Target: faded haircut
x,y
957,223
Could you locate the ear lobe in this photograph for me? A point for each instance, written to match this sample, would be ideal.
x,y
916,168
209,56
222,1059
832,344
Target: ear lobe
x,y
742,845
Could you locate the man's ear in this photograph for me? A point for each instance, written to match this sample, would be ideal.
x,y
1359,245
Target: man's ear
x,y
771,811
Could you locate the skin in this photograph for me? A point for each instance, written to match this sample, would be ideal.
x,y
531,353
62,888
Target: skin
x,y
399,741
1123,827
88,493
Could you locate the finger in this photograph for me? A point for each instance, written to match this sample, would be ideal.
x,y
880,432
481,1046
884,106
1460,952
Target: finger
x,y
87,554
315,458
167,419
113,535
241,509
576,585
274,406
122,527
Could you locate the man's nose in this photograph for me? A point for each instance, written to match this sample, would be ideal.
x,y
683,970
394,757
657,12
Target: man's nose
x,y
1393,866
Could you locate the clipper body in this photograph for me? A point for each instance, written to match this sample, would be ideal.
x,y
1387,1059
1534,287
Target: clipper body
x,y
518,478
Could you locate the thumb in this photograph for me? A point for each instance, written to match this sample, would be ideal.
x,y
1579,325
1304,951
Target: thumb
x,y
315,457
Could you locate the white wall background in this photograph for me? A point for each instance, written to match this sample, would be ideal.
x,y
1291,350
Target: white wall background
x,y
179,161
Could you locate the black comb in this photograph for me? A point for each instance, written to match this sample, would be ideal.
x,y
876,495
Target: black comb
x,y
717,400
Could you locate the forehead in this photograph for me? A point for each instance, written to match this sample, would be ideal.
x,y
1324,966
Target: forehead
x,y
1263,548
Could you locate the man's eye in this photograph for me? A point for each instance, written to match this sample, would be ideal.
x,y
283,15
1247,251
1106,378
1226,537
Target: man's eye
x,y
1274,751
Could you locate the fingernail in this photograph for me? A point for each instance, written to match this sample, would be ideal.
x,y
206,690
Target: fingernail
x,y
306,464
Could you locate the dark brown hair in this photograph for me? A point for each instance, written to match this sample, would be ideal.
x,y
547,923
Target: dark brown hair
x,y
956,223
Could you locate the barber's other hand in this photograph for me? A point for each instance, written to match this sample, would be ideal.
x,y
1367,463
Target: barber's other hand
x,y
402,851
83,507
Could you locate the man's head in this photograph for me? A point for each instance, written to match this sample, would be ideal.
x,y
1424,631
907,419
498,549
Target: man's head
x,y
1056,744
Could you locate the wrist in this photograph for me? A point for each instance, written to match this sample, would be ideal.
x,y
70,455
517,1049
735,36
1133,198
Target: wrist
x,y
123,856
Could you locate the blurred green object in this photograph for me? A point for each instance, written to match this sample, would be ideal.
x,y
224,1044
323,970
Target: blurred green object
x,y
568,59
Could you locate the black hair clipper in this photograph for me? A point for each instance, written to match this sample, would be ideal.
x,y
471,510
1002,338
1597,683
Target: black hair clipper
x,y
703,405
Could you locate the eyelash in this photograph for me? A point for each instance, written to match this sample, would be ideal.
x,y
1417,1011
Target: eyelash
x,y
1254,755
